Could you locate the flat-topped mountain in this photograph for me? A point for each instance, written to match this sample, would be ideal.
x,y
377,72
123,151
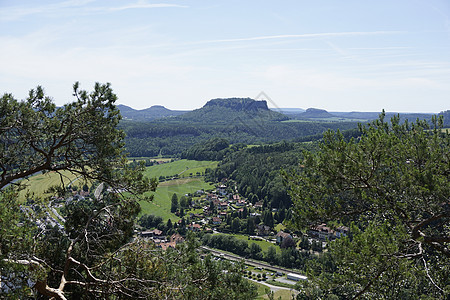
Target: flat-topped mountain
x,y
231,110
152,113
314,113
239,104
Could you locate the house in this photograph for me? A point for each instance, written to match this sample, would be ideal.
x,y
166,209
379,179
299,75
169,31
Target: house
x,y
322,232
207,210
262,229
258,204
196,216
223,214
164,246
341,231
216,220
236,198
151,233
241,203
281,236
194,227
176,238
223,205
222,189
211,197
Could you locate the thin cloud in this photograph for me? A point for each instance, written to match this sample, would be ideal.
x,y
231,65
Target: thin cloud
x,y
147,5
306,35
17,12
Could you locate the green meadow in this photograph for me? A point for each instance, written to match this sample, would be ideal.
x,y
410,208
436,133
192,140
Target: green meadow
x,y
160,205
262,243
182,168
39,184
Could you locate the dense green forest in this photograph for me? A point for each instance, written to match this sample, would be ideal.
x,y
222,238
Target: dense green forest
x,y
147,139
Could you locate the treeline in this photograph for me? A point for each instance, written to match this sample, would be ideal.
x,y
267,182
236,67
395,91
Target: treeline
x,y
214,149
256,171
165,138
289,257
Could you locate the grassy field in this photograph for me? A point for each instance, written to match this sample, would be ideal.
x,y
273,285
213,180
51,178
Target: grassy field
x,y
160,206
181,167
280,294
263,244
38,184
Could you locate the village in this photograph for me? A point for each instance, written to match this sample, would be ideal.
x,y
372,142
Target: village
x,y
224,211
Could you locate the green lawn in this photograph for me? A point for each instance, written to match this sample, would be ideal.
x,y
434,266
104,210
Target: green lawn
x,y
160,206
281,294
263,244
181,167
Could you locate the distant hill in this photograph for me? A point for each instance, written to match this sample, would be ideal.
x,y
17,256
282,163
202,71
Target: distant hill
x,y
315,113
374,115
229,111
357,115
288,111
149,114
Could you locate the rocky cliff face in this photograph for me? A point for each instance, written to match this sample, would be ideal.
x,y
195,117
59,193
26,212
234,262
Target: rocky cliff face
x,y
239,104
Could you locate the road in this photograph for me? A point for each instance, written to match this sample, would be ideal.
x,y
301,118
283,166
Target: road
x,y
250,261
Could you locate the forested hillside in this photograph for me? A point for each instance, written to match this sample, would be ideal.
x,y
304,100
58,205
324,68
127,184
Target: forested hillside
x,y
257,171
154,138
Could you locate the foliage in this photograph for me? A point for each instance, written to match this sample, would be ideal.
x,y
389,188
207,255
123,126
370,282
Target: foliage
x,y
214,149
393,184
171,137
93,257
161,203
80,137
149,221
174,205
289,257
256,171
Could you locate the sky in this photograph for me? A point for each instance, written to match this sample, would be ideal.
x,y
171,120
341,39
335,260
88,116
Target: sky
x,y
335,55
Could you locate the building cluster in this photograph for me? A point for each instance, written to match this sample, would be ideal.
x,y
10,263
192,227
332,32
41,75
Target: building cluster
x,y
162,241
324,232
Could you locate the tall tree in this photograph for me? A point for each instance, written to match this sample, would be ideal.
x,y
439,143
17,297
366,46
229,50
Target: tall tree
x,y
81,138
174,205
393,185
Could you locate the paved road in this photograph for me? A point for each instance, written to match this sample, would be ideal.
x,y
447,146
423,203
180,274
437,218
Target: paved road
x,y
250,262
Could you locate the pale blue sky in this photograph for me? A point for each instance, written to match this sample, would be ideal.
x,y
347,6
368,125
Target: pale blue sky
x,y
336,55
